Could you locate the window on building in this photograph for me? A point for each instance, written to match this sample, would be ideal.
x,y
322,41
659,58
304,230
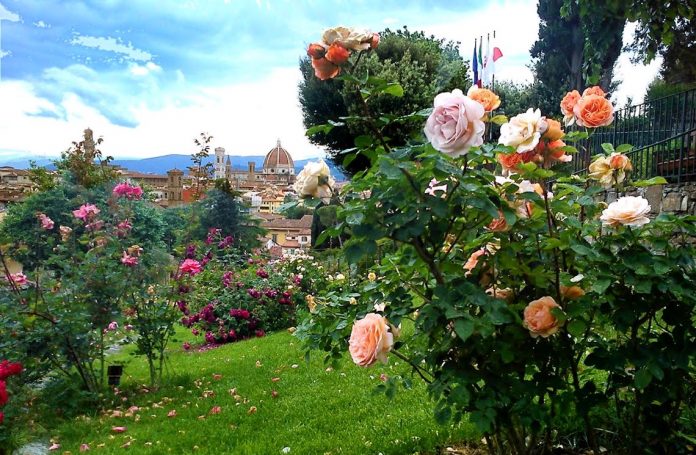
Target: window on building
x,y
274,237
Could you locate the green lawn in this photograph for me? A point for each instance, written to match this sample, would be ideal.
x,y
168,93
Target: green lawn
x,y
317,410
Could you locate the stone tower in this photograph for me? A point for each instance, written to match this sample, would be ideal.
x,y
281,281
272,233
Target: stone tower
x,y
220,163
175,188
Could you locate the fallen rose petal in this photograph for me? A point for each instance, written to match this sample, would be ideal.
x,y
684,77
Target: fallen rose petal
x,y
294,365
172,413
258,364
383,377
84,447
126,444
275,379
133,409
54,446
233,392
274,394
118,429
216,410
217,377
252,410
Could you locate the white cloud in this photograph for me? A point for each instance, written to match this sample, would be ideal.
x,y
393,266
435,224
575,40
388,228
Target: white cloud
x,y
6,15
634,78
112,45
144,70
41,24
246,119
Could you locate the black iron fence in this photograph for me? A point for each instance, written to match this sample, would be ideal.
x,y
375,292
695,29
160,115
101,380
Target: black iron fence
x,y
661,132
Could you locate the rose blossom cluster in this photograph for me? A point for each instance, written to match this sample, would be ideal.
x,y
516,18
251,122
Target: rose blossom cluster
x,y
315,181
535,139
610,169
335,48
127,190
19,279
7,369
86,212
591,110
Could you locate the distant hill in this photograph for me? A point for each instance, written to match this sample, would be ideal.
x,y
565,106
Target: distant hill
x,y
161,164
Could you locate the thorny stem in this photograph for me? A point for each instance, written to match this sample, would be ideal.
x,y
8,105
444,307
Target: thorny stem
x,y
416,368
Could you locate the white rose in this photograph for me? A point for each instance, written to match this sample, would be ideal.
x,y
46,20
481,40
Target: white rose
x,y
627,211
357,40
315,181
522,131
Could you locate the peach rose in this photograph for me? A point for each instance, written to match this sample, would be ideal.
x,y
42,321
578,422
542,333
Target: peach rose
x,y
556,151
375,41
568,104
498,224
626,211
370,340
455,124
337,54
593,111
489,100
349,38
324,69
553,130
522,131
596,90
572,292
473,261
501,294
538,318
620,161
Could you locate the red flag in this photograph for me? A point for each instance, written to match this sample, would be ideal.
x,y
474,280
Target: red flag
x,y
497,53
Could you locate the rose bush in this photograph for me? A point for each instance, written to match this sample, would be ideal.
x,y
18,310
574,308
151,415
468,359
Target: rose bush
x,y
535,309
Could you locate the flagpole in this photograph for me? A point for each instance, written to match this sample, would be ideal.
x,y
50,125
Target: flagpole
x,y
493,78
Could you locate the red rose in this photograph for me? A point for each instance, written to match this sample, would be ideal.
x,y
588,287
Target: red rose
x,y
316,50
337,54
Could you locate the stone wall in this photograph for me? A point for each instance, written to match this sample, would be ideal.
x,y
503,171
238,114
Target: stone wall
x,y
670,198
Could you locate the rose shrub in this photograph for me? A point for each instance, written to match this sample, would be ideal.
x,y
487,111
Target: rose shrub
x,y
223,302
535,309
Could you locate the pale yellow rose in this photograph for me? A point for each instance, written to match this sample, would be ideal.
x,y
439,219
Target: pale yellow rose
x,y
522,131
626,211
600,169
315,181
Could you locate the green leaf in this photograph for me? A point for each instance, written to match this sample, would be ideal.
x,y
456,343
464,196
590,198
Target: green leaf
x,y
499,119
363,141
464,328
623,148
577,328
319,129
650,182
601,285
355,218
394,89
643,378
609,148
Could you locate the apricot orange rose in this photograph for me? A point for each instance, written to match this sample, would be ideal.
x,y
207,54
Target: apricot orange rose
x,y
539,319
489,100
568,104
370,340
593,111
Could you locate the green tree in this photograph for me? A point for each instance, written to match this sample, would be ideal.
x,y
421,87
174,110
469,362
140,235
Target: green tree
x,y
423,65
573,51
224,210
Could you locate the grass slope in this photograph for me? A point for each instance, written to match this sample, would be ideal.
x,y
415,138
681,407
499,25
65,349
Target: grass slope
x,y
317,410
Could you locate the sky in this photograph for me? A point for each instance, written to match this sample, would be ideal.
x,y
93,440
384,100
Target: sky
x,y
150,75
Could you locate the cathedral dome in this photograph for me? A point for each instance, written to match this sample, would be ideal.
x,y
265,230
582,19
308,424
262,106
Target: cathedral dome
x,y
278,161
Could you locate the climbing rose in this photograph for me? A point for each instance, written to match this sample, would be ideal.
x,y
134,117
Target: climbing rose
x,y
538,318
128,260
128,191
370,340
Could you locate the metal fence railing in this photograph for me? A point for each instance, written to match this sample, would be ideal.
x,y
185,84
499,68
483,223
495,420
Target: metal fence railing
x,y
661,127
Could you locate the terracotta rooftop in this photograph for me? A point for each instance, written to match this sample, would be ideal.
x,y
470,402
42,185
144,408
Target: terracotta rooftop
x,y
284,223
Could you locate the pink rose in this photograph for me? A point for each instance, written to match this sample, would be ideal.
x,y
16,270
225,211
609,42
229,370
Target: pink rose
x,y
46,222
455,124
128,260
19,278
190,266
86,211
128,191
370,340
539,319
